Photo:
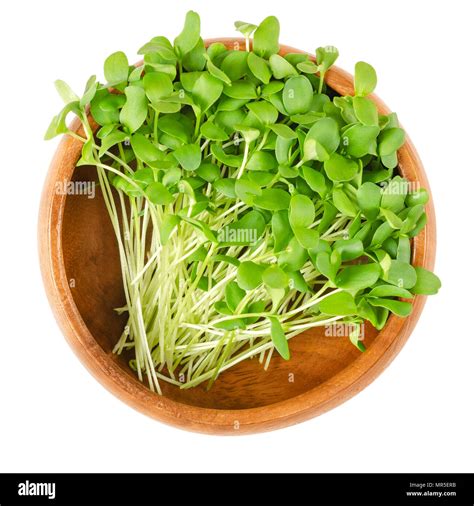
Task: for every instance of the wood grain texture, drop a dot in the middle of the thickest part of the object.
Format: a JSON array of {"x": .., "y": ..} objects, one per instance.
[{"x": 80, "y": 267}]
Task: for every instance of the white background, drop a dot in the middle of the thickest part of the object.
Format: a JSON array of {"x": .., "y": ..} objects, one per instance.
[{"x": 417, "y": 416}]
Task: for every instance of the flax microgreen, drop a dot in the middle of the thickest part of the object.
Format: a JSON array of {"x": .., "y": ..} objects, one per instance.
[{"x": 250, "y": 202}]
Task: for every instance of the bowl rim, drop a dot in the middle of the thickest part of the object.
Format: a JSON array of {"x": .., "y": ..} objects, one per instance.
[{"x": 336, "y": 390}]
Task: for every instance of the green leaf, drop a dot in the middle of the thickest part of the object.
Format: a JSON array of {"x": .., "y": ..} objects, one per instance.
[
  {"x": 174, "y": 127},
  {"x": 307, "y": 119},
  {"x": 135, "y": 110},
  {"x": 395, "y": 306},
  {"x": 168, "y": 224},
  {"x": 216, "y": 50},
  {"x": 346, "y": 108},
  {"x": 322, "y": 140},
  {"x": 224, "y": 258},
  {"x": 58, "y": 123},
  {"x": 236, "y": 323},
  {"x": 157, "y": 86},
  {"x": 376, "y": 315},
  {"x": 360, "y": 140},
  {"x": 232, "y": 105},
  {"x": 144, "y": 149},
  {"x": 164, "y": 68},
  {"x": 202, "y": 227},
  {"x": 315, "y": 180},
  {"x": 188, "y": 79},
  {"x": 401, "y": 274},
  {"x": 328, "y": 264},
  {"x": 307, "y": 237},
  {"x": 279, "y": 338},
  {"x": 340, "y": 168},
  {"x": 259, "y": 68},
  {"x": 307, "y": 67},
  {"x": 417, "y": 197},
  {"x": 195, "y": 60},
  {"x": 349, "y": 249},
  {"x": 246, "y": 29},
  {"x": 294, "y": 256},
  {"x": 65, "y": 92},
  {"x": 382, "y": 233},
  {"x": 272, "y": 88},
  {"x": 209, "y": 172},
  {"x": 217, "y": 72},
  {"x": 366, "y": 111},
  {"x": 190, "y": 35},
  {"x": 265, "y": 38},
  {"x": 390, "y": 161},
  {"x": 246, "y": 190},
  {"x": 89, "y": 91},
  {"x": 297, "y": 95},
  {"x": 281, "y": 68},
  {"x": 188, "y": 156},
  {"x": 365, "y": 79},
  {"x": 206, "y": 91},
  {"x": 264, "y": 111},
  {"x": 248, "y": 133},
  {"x": 427, "y": 283},
  {"x": 338, "y": 304},
  {"x": 276, "y": 295},
  {"x": 275, "y": 277},
  {"x": 297, "y": 282},
  {"x": 354, "y": 335},
  {"x": 403, "y": 249},
  {"x": 161, "y": 48},
  {"x": 144, "y": 176},
  {"x": 325, "y": 57},
  {"x": 394, "y": 193},
  {"x": 241, "y": 90},
  {"x": 283, "y": 131},
  {"x": 221, "y": 156},
  {"x": 249, "y": 275},
  {"x": 222, "y": 308},
  {"x": 235, "y": 65},
  {"x": 116, "y": 68},
  {"x": 87, "y": 153},
  {"x": 110, "y": 140},
  {"x": 301, "y": 212},
  {"x": 368, "y": 198},
  {"x": 211, "y": 131},
  {"x": 390, "y": 140},
  {"x": 329, "y": 214},
  {"x": 419, "y": 226},
  {"x": 273, "y": 199},
  {"x": 283, "y": 149},
  {"x": 233, "y": 295},
  {"x": 158, "y": 194},
  {"x": 394, "y": 221},
  {"x": 281, "y": 231},
  {"x": 358, "y": 277},
  {"x": 389, "y": 291},
  {"x": 164, "y": 106},
  {"x": 343, "y": 203}
]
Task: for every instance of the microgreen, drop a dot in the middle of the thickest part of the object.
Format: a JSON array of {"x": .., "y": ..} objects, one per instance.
[{"x": 249, "y": 201}]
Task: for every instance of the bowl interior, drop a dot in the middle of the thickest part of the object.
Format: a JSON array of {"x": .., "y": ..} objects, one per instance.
[{"x": 92, "y": 267}]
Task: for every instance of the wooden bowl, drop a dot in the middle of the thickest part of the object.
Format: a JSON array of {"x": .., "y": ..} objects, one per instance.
[{"x": 80, "y": 266}]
